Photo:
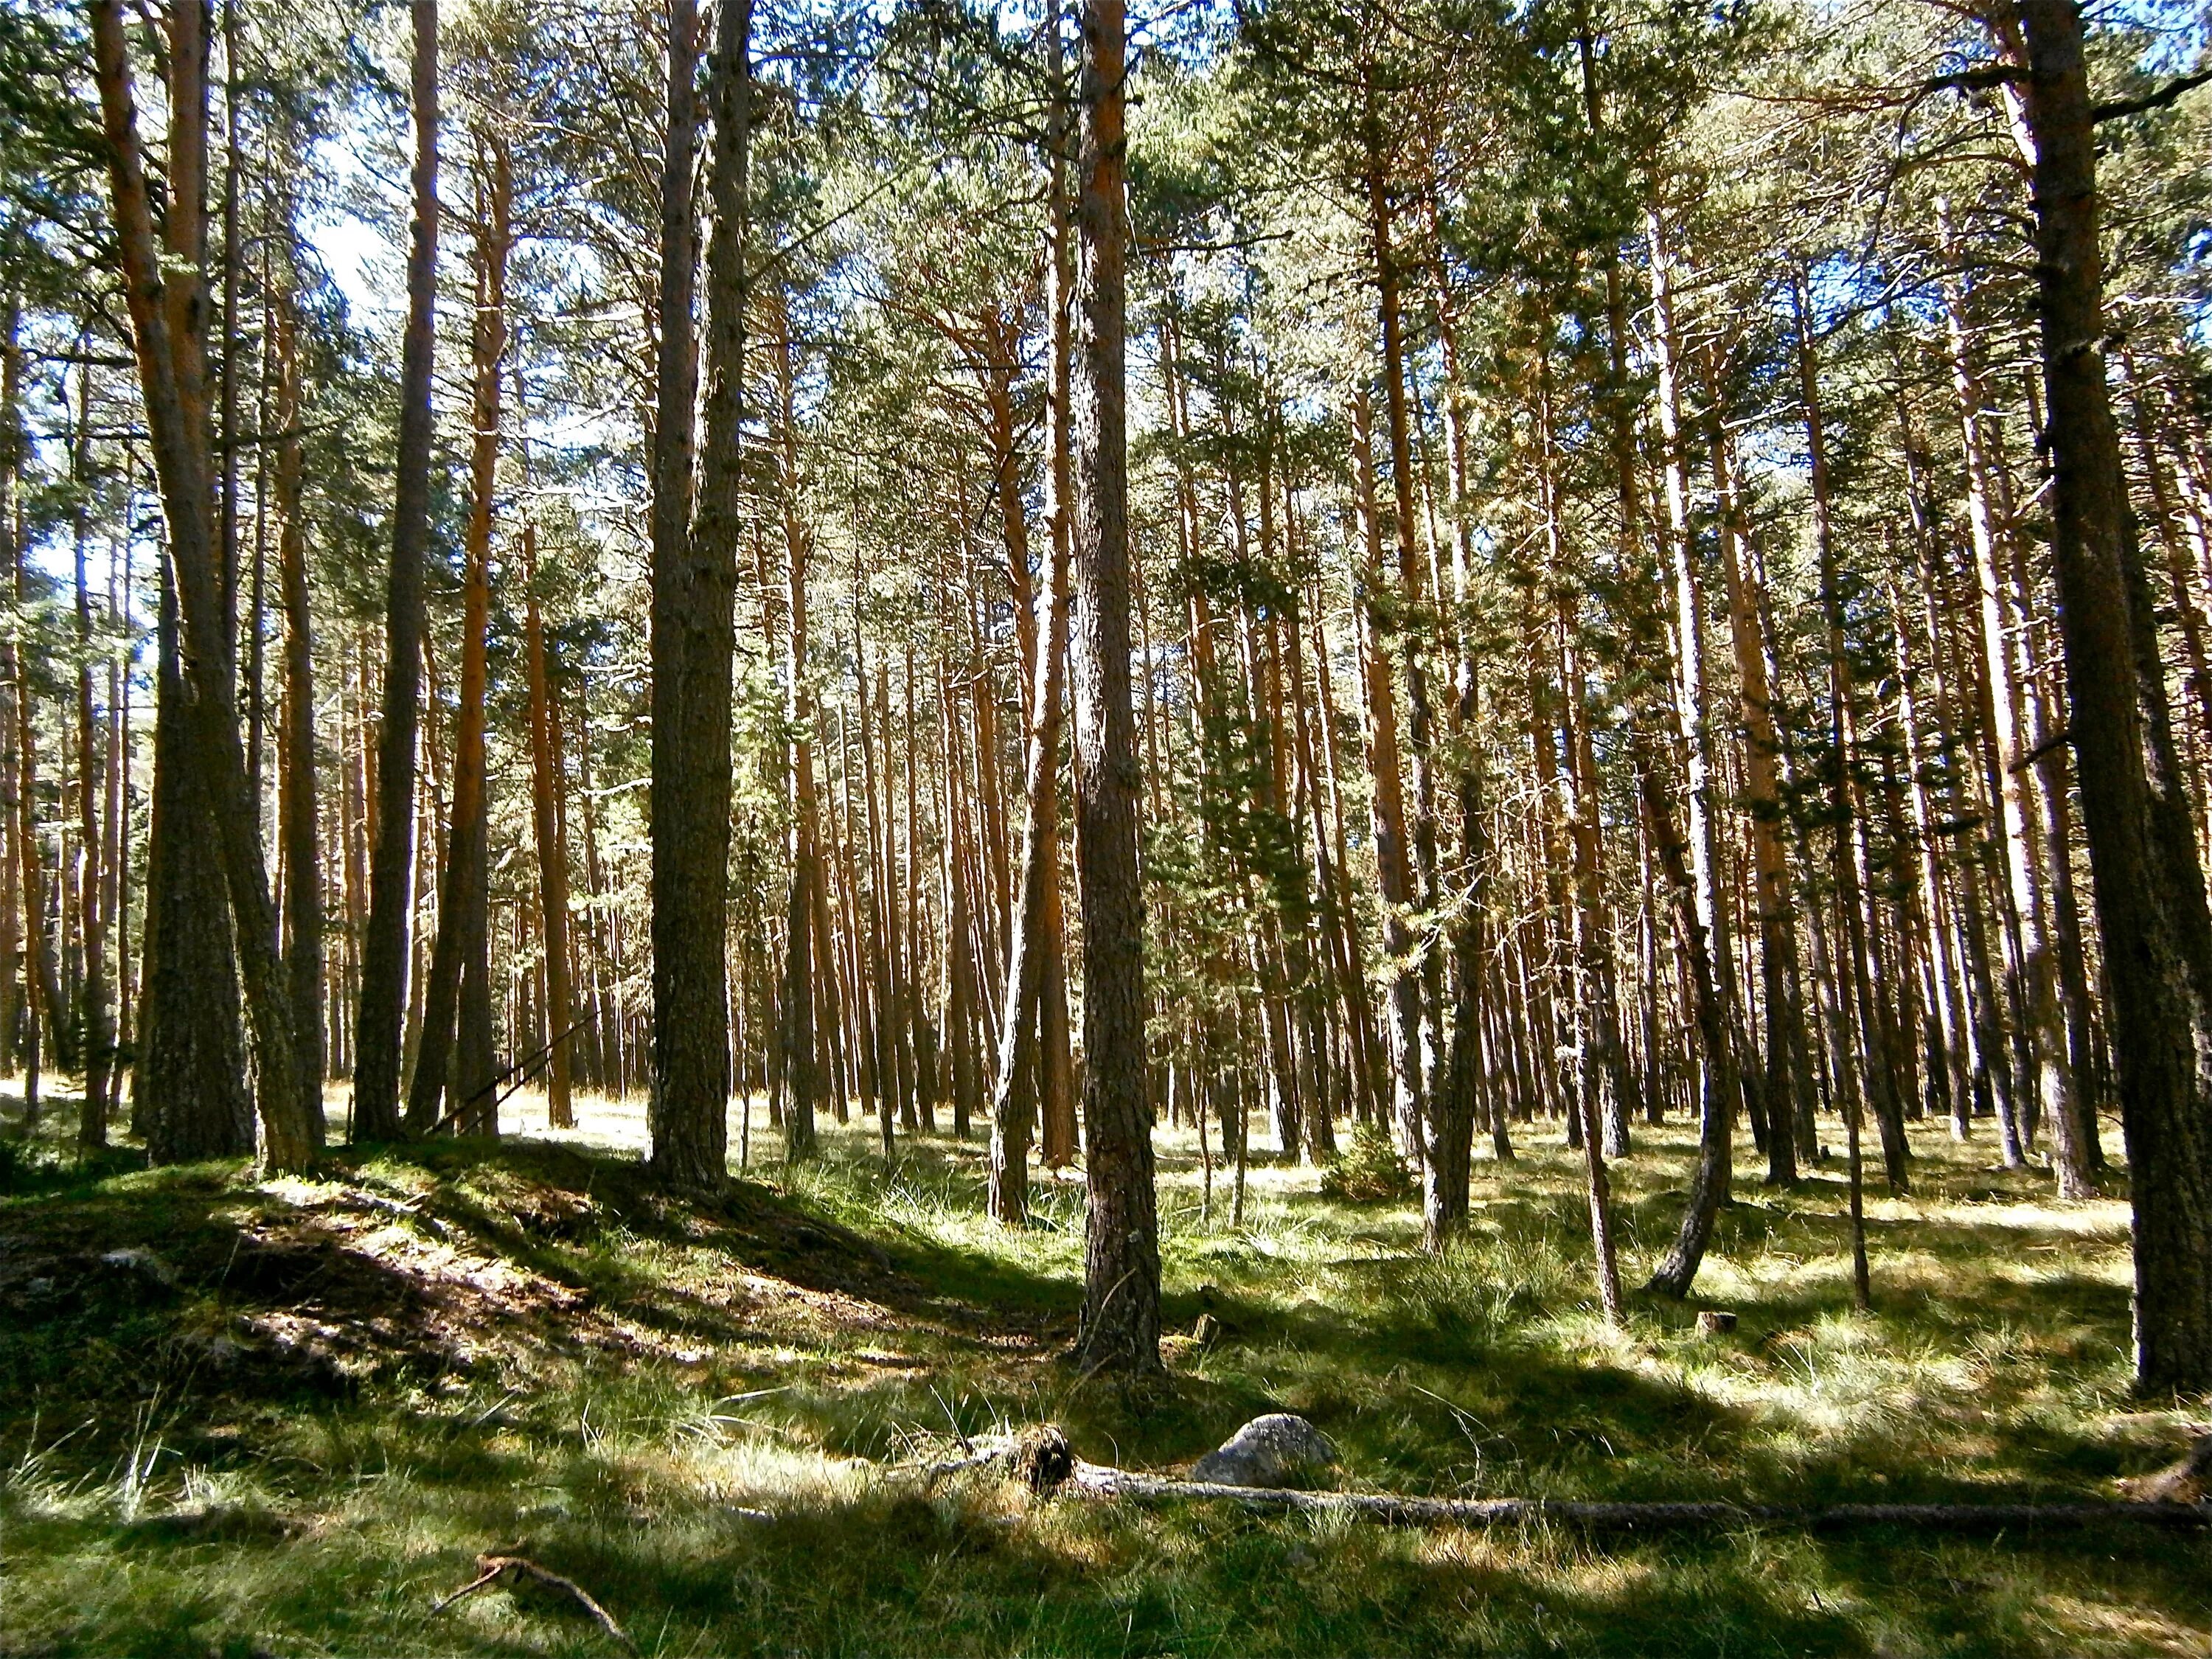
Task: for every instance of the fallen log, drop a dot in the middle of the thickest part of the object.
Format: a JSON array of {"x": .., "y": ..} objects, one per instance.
[{"x": 1101, "y": 1481}]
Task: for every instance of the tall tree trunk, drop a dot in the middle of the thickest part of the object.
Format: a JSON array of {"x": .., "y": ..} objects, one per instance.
[
  {"x": 1788, "y": 1069},
  {"x": 1849, "y": 977},
  {"x": 12, "y": 688},
  {"x": 455, "y": 1060},
  {"x": 173, "y": 376},
  {"x": 2143, "y": 855},
  {"x": 2043, "y": 1071},
  {"x": 97, "y": 1038},
  {"x": 1700, "y": 918},
  {"x": 1013, "y": 1097},
  {"x": 302, "y": 853},
  {"x": 1420, "y": 723},
  {"x": 1121, "y": 1327},
  {"x": 1055, "y": 1060},
  {"x": 799, "y": 1038},
  {"x": 378, "y": 1027},
  {"x": 552, "y": 845},
  {"x": 694, "y": 576},
  {"x": 1387, "y": 802},
  {"x": 1859, "y": 981}
]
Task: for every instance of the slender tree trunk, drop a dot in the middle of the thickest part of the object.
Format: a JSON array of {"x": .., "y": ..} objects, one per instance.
[
  {"x": 1700, "y": 918},
  {"x": 98, "y": 1029},
  {"x": 302, "y": 853},
  {"x": 1789, "y": 1071},
  {"x": 2042, "y": 1072},
  {"x": 12, "y": 688},
  {"x": 799, "y": 1038},
  {"x": 1013, "y": 1097},
  {"x": 378, "y": 1028},
  {"x": 455, "y": 1060},
  {"x": 552, "y": 845},
  {"x": 1857, "y": 982},
  {"x": 1120, "y": 1324}
]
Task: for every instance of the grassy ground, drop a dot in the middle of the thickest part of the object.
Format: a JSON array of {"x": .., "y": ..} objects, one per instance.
[{"x": 294, "y": 1416}]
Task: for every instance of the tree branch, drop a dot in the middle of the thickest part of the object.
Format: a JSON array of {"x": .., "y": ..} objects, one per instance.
[{"x": 2150, "y": 101}]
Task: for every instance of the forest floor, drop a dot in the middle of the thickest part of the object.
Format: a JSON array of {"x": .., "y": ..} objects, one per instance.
[{"x": 284, "y": 1417}]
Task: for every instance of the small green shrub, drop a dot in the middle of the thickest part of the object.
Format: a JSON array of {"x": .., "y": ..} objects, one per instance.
[{"x": 1369, "y": 1172}]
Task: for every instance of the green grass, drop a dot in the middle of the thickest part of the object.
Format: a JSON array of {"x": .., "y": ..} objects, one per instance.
[{"x": 355, "y": 1385}]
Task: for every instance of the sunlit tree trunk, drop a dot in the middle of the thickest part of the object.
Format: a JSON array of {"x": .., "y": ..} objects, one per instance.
[
  {"x": 455, "y": 1060},
  {"x": 2150, "y": 888},
  {"x": 2041, "y": 1067},
  {"x": 164, "y": 304},
  {"x": 1120, "y": 1326}
]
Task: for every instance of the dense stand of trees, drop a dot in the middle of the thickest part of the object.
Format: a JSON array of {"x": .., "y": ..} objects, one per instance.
[{"x": 1470, "y": 573}]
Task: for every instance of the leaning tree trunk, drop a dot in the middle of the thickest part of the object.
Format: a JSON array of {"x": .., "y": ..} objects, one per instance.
[
  {"x": 1693, "y": 874},
  {"x": 2143, "y": 855},
  {"x": 1121, "y": 1328},
  {"x": 1013, "y": 1098},
  {"x": 378, "y": 1025},
  {"x": 172, "y": 376}
]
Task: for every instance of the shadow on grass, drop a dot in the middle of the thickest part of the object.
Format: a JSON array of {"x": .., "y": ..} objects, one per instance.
[{"x": 558, "y": 1357}]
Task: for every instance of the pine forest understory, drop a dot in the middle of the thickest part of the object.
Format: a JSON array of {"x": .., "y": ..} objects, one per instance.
[{"x": 786, "y": 786}]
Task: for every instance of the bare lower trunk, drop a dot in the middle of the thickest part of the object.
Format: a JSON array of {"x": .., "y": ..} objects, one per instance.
[
  {"x": 378, "y": 1027},
  {"x": 2150, "y": 889},
  {"x": 172, "y": 376},
  {"x": 303, "y": 867},
  {"x": 455, "y": 1059},
  {"x": 552, "y": 846},
  {"x": 1121, "y": 1327}
]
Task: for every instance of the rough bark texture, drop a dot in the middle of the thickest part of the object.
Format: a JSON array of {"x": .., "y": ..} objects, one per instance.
[
  {"x": 172, "y": 376},
  {"x": 454, "y": 1059},
  {"x": 2149, "y": 888},
  {"x": 1120, "y": 1329},
  {"x": 695, "y": 573},
  {"x": 384, "y": 957},
  {"x": 190, "y": 1092},
  {"x": 1013, "y": 1099}
]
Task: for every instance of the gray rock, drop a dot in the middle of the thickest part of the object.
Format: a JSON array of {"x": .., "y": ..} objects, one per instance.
[
  {"x": 1279, "y": 1449},
  {"x": 140, "y": 1263}
]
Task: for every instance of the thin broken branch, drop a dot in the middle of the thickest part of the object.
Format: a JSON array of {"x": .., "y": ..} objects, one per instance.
[{"x": 492, "y": 1568}]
